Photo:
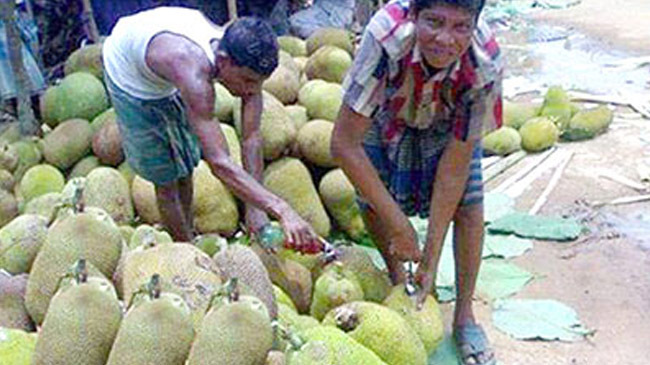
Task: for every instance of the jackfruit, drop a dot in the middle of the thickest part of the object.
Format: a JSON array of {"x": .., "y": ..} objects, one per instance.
[
  {"x": 75, "y": 235},
  {"x": 12, "y": 304},
  {"x": 294, "y": 321},
  {"x": 241, "y": 262},
  {"x": 20, "y": 241},
  {"x": 336, "y": 286},
  {"x": 284, "y": 84},
  {"x": 538, "y": 134},
  {"x": 234, "y": 147},
  {"x": 340, "y": 198},
  {"x": 298, "y": 115},
  {"x": 8, "y": 158},
  {"x": 156, "y": 330},
  {"x": 16, "y": 346},
  {"x": 557, "y": 107},
  {"x": 98, "y": 122},
  {"x": 183, "y": 269},
  {"x": 322, "y": 99},
  {"x": 426, "y": 322},
  {"x": 235, "y": 332},
  {"x": 328, "y": 63},
  {"x": 143, "y": 193},
  {"x": 214, "y": 206},
  {"x": 80, "y": 325},
  {"x": 381, "y": 330},
  {"x": 145, "y": 234},
  {"x": 8, "y": 207},
  {"x": 126, "y": 232},
  {"x": 210, "y": 243},
  {"x": 282, "y": 298},
  {"x": 515, "y": 114},
  {"x": 285, "y": 59},
  {"x": 294, "y": 46},
  {"x": 330, "y": 36},
  {"x": 301, "y": 62},
  {"x": 275, "y": 358},
  {"x": 84, "y": 166},
  {"x": 86, "y": 59},
  {"x": 7, "y": 180},
  {"x": 276, "y": 127},
  {"x": 588, "y": 123},
  {"x": 29, "y": 155},
  {"x": 39, "y": 180},
  {"x": 503, "y": 141},
  {"x": 126, "y": 171},
  {"x": 44, "y": 205},
  {"x": 330, "y": 346},
  {"x": 78, "y": 95},
  {"x": 106, "y": 188},
  {"x": 289, "y": 179},
  {"x": 223, "y": 103},
  {"x": 314, "y": 142},
  {"x": 10, "y": 133},
  {"x": 107, "y": 144}
]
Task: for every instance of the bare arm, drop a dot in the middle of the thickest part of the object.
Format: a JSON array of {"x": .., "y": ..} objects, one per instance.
[{"x": 348, "y": 152}]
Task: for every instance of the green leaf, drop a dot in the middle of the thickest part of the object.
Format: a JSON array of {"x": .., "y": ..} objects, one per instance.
[
  {"x": 497, "y": 205},
  {"x": 538, "y": 227},
  {"x": 502, "y": 246},
  {"x": 544, "y": 319},
  {"x": 499, "y": 279}
]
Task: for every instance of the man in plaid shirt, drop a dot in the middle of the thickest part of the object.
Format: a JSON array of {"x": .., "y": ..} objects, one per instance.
[{"x": 424, "y": 88}]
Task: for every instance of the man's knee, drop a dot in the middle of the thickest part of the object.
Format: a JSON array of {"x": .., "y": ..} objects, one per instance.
[
  {"x": 167, "y": 191},
  {"x": 469, "y": 214}
]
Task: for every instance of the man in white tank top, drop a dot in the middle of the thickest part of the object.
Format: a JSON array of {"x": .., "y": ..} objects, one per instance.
[{"x": 160, "y": 68}]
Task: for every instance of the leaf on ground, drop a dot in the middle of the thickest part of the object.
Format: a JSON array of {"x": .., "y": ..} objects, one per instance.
[
  {"x": 538, "y": 227},
  {"x": 446, "y": 353},
  {"x": 544, "y": 319},
  {"x": 499, "y": 279},
  {"x": 446, "y": 294},
  {"x": 497, "y": 205},
  {"x": 502, "y": 246}
]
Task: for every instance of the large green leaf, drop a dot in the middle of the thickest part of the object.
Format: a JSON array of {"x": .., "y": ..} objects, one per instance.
[
  {"x": 545, "y": 319},
  {"x": 499, "y": 279},
  {"x": 446, "y": 353},
  {"x": 538, "y": 227},
  {"x": 502, "y": 246},
  {"x": 497, "y": 205}
]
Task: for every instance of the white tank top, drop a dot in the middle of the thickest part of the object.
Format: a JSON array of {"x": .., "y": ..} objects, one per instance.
[{"x": 125, "y": 49}]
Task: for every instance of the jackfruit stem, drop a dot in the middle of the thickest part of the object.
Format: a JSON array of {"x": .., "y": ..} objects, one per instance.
[
  {"x": 153, "y": 287},
  {"x": 81, "y": 272},
  {"x": 346, "y": 319},
  {"x": 295, "y": 341},
  {"x": 232, "y": 289}
]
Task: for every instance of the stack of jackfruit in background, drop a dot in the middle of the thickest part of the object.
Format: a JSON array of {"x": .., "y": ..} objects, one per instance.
[
  {"x": 87, "y": 276},
  {"x": 536, "y": 127}
]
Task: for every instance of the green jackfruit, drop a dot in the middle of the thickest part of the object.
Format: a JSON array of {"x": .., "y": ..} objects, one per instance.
[
  {"x": 126, "y": 171},
  {"x": 276, "y": 358},
  {"x": 292, "y": 320},
  {"x": 588, "y": 123},
  {"x": 80, "y": 325},
  {"x": 301, "y": 62},
  {"x": 285, "y": 59},
  {"x": 330, "y": 346},
  {"x": 20, "y": 241},
  {"x": 426, "y": 322},
  {"x": 157, "y": 330},
  {"x": 9, "y": 158},
  {"x": 44, "y": 205},
  {"x": 282, "y": 298},
  {"x": 502, "y": 141},
  {"x": 183, "y": 269},
  {"x": 298, "y": 115},
  {"x": 557, "y": 106},
  {"x": 223, "y": 104},
  {"x": 79, "y": 95},
  {"x": 234, "y": 147},
  {"x": 84, "y": 167},
  {"x": 538, "y": 134},
  {"x": 336, "y": 286},
  {"x": 284, "y": 84},
  {"x": 381, "y": 330},
  {"x": 233, "y": 333},
  {"x": 340, "y": 198},
  {"x": 146, "y": 234},
  {"x": 86, "y": 59},
  {"x": 516, "y": 114},
  {"x": 330, "y": 36},
  {"x": 10, "y": 132},
  {"x": 16, "y": 346},
  {"x": 106, "y": 188},
  {"x": 314, "y": 142},
  {"x": 8, "y": 207},
  {"x": 29, "y": 155},
  {"x": 126, "y": 232},
  {"x": 328, "y": 63},
  {"x": 276, "y": 127},
  {"x": 39, "y": 180},
  {"x": 143, "y": 193},
  {"x": 294, "y": 46},
  {"x": 241, "y": 262},
  {"x": 289, "y": 179},
  {"x": 103, "y": 118},
  {"x": 73, "y": 236},
  {"x": 13, "y": 313},
  {"x": 210, "y": 243},
  {"x": 107, "y": 144},
  {"x": 214, "y": 206},
  {"x": 7, "y": 180},
  {"x": 322, "y": 99}
]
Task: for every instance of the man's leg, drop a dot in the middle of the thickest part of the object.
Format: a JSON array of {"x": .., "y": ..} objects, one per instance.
[
  {"x": 375, "y": 228},
  {"x": 186, "y": 193},
  {"x": 171, "y": 212}
]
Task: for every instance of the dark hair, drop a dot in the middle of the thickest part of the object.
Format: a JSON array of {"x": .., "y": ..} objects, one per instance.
[
  {"x": 473, "y": 6},
  {"x": 250, "y": 42}
]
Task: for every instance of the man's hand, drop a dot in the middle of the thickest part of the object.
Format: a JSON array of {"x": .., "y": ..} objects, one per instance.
[
  {"x": 403, "y": 241},
  {"x": 425, "y": 278},
  {"x": 255, "y": 220},
  {"x": 300, "y": 236}
]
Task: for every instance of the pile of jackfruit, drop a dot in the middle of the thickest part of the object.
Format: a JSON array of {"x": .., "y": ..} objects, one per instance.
[
  {"x": 536, "y": 127},
  {"x": 89, "y": 276}
]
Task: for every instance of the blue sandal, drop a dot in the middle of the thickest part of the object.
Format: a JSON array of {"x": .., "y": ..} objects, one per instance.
[{"x": 473, "y": 346}]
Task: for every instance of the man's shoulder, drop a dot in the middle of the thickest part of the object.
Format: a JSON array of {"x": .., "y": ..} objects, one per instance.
[
  {"x": 172, "y": 53},
  {"x": 392, "y": 28}
]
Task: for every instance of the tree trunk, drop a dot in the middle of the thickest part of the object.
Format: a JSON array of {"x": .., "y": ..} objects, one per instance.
[{"x": 28, "y": 123}]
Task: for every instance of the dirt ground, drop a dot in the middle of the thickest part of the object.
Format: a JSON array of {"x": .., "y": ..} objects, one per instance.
[{"x": 605, "y": 276}]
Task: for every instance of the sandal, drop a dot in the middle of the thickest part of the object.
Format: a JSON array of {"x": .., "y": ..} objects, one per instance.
[{"x": 473, "y": 346}]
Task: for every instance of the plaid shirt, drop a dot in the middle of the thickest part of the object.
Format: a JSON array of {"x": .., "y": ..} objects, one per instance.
[{"x": 390, "y": 83}]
